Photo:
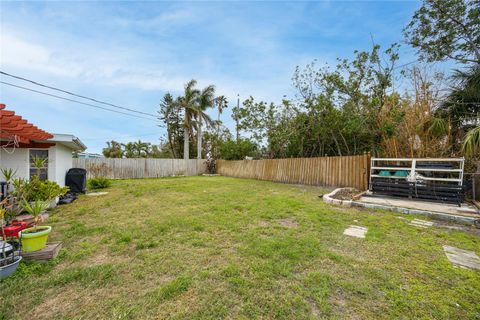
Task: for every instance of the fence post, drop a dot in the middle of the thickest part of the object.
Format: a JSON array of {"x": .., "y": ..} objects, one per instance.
[
  {"x": 145, "y": 171},
  {"x": 476, "y": 186},
  {"x": 365, "y": 171}
]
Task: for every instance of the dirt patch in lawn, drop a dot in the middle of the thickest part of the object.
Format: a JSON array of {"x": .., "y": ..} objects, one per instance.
[
  {"x": 263, "y": 223},
  {"x": 69, "y": 301},
  {"x": 288, "y": 223}
]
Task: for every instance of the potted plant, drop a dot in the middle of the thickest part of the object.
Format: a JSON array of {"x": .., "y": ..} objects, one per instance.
[
  {"x": 35, "y": 238},
  {"x": 8, "y": 261}
]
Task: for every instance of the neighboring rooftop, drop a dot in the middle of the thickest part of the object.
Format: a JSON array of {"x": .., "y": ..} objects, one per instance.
[
  {"x": 69, "y": 141},
  {"x": 87, "y": 155}
]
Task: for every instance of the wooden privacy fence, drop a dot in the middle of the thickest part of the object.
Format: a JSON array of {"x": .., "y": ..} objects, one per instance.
[
  {"x": 141, "y": 167},
  {"x": 348, "y": 171}
]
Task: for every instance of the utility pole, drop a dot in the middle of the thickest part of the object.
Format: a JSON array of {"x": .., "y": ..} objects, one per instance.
[{"x": 236, "y": 117}]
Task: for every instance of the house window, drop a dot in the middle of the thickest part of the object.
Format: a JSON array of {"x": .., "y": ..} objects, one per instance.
[{"x": 39, "y": 158}]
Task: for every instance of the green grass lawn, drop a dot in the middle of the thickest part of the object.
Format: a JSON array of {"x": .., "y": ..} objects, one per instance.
[{"x": 215, "y": 247}]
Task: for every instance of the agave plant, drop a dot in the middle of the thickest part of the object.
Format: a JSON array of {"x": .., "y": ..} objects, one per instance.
[
  {"x": 8, "y": 174},
  {"x": 39, "y": 163},
  {"x": 35, "y": 209}
]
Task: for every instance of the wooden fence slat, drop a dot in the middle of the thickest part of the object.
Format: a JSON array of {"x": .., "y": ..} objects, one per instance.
[
  {"x": 142, "y": 167},
  {"x": 347, "y": 171}
]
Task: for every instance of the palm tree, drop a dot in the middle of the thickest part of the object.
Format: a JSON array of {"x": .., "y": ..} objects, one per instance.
[
  {"x": 205, "y": 100},
  {"x": 113, "y": 150},
  {"x": 221, "y": 103},
  {"x": 129, "y": 150},
  {"x": 471, "y": 144},
  {"x": 141, "y": 148},
  {"x": 461, "y": 106},
  {"x": 188, "y": 102}
]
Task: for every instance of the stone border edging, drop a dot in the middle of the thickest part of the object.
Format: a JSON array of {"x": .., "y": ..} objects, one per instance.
[
  {"x": 431, "y": 214},
  {"x": 328, "y": 198}
]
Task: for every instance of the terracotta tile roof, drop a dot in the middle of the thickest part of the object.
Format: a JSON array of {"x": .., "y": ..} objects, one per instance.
[{"x": 14, "y": 126}]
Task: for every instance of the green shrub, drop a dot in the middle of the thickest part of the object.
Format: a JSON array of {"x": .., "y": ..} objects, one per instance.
[
  {"x": 37, "y": 190},
  {"x": 99, "y": 183},
  {"x": 237, "y": 150},
  {"x": 48, "y": 190}
]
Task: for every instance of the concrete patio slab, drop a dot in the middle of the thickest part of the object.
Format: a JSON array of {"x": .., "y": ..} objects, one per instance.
[
  {"x": 356, "y": 231},
  {"x": 462, "y": 258},
  {"x": 466, "y": 214}
]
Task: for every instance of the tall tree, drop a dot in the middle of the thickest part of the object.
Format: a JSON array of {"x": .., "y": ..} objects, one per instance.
[
  {"x": 462, "y": 105},
  {"x": 171, "y": 116},
  {"x": 340, "y": 107},
  {"x": 221, "y": 103},
  {"x": 129, "y": 150},
  {"x": 141, "y": 148},
  {"x": 471, "y": 145},
  {"x": 446, "y": 29},
  {"x": 113, "y": 150},
  {"x": 206, "y": 100},
  {"x": 188, "y": 103},
  {"x": 236, "y": 117}
]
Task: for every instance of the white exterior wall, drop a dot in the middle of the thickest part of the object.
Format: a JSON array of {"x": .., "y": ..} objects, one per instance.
[
  {"x": 62, "y": 163},
  {"x": 59, "y": 161},
  {"x": 15, "y": 159},
  {"x": 51, "y": 163}
]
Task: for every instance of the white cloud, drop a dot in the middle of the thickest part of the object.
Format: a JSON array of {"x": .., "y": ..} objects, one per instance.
[
  {"x": 85, "y": 63},
  {"x": 17, "y": 53}
]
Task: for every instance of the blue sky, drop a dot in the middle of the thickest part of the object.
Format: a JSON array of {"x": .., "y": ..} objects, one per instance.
[{"x": 131, "y": 53}]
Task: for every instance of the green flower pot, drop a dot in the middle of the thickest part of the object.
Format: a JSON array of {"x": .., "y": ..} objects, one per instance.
[{"x": 34, "y": 241}]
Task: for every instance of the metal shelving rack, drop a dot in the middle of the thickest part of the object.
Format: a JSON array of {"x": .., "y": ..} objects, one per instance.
[{"x": 433, "y": 174}]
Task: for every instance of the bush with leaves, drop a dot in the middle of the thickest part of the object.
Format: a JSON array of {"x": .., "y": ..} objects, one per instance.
[
  {"x": 46, "y": 191},
  {"x": 35, "y": 189},
  {"x": 99, "y": 183},
  {"x": 237, "y": 150}
]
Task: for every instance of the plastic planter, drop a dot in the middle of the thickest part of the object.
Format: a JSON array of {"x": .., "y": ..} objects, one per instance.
[
  {"x": 34, "y": 241},
  {"x": 14, "y": 229},
  {"x": 7, "y": 270}
]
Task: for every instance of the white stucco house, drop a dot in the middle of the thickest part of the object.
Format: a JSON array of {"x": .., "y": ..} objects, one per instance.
[
  {"x": 20, "y": 141},
  {"x": 59, "y": 156}
]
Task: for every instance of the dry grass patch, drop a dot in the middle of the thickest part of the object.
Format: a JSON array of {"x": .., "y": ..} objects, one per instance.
[{"x": 288, "y": 223}]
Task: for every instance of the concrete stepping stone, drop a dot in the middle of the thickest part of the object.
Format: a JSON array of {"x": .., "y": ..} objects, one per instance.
[
  {"x": 462, "y": 258},
  {"x": 421, "y": 223},
  {"x": 356, "y": 231},
  {"x": 96, "y": 194}
]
